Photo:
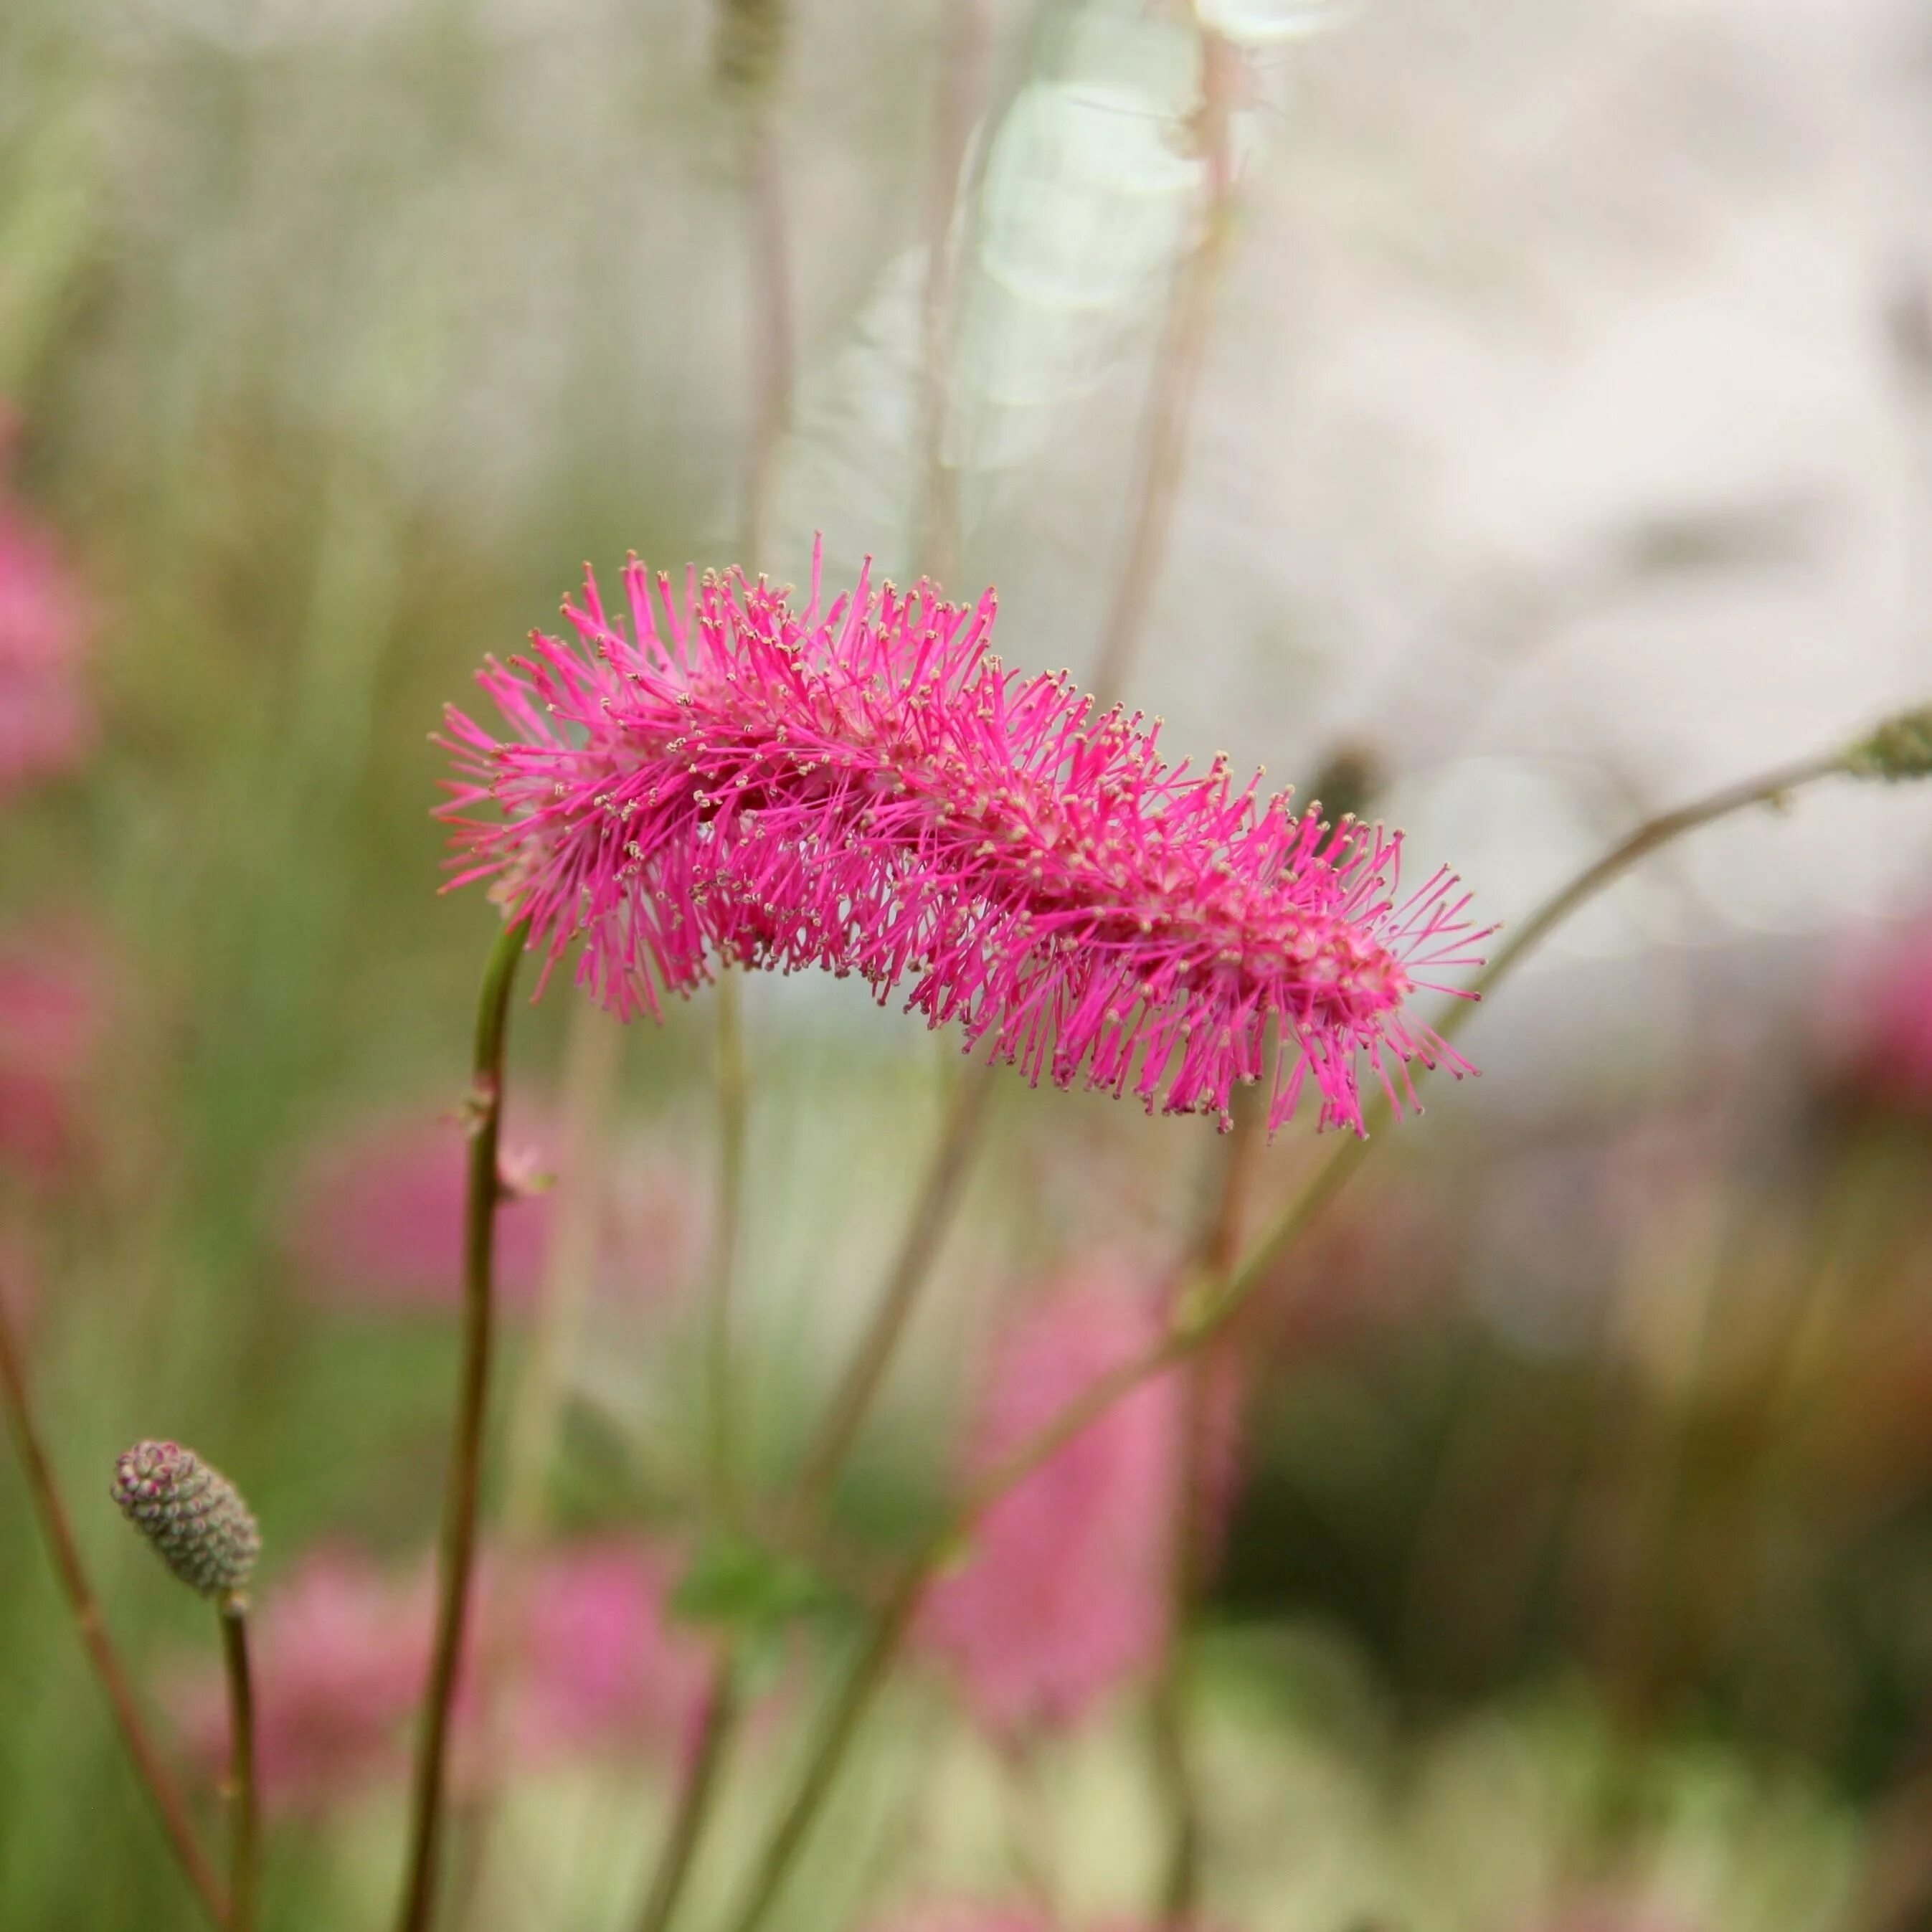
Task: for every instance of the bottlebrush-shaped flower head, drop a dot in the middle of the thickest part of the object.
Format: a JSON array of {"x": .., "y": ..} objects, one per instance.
[
  {"x": 192, "y": 1514},
  {"x": 865, "y": 787}
]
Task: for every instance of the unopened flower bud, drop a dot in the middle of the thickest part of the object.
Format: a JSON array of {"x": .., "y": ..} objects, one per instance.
[
  {"x": 1901, "y": 748},
  {"x": 193, "y": 1515}
]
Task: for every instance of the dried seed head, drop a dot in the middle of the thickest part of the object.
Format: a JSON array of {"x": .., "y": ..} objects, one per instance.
[{"x": 193, "y": 1515}]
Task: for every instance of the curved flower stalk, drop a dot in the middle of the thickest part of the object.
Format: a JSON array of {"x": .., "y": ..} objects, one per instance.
[{"x": 865, "y": 787}]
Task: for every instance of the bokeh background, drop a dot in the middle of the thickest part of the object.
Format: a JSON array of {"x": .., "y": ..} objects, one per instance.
[{"x": 1562, "y": 447}]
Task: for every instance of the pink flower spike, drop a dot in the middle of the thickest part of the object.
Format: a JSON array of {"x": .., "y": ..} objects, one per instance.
[{"x": 863, "y": 788}]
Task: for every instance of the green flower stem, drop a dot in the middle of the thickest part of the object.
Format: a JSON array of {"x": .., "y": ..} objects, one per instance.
[
  {"x": 1176, "y": 374},
  {"x": 720, "y": 1347},
  {"x": 722, "y": 1708},
  {"x": 932, "y": 1215},
  {"x": 241, "y": 1791},
  {"x": 417, "y": 1910},
  {"x": 57, "y": 1527},
  {"x": 1203, "y": 1310}
]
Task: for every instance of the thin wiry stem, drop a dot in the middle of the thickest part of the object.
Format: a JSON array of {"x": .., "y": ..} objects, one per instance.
[
  {"x": 457, "y": 1558},
  {"x": 773, "y": 324},
  {"x": 593, "y": 1053},
  {"x": 1164, "y": 451},
  {"x": 720, "y": 1349},
  {"x": 57, "y": 1527},
  {"x": 722, "y": 1705},
  {"x": 241, "y": 1793},
  {"x": 931, "y": 1215},
  {"x": 1202, "y": 1312},
  {"x": 1215, "y": 1251},
  {"x": 962, "y": 72}
]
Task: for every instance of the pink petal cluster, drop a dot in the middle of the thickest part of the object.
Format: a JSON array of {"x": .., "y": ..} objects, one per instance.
[
  {"x": 591, "y": 1662},
  {"x": 46, "y": 717},
  {"x": 863, "y": 788},
  {"x": 53, "y": 1007},
  {"x": 1067, "y": 1590}
]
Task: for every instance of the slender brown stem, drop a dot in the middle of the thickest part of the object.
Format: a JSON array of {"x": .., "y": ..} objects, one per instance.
[
  {"x": 931, "y": 1215},
  {"x": 962, "y": 84},
  {"x": 722, "y": 1710},
  {"x": 720, "y": 1348},
  {"x": 592, "y": 1055},
  {"x": 773, "y": 324},
  {"x": 418, "y": 1908},
  {"x": 1202, "y": 1312},
  {"x": 1215, "y": 1251},
  {"x": 241, "y": 1793},
  {"x": 1177, "y": 374},
  {"x": 57, "y": 1528}
]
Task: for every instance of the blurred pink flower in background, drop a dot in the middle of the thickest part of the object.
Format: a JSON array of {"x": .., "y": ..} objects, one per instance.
[
  {"x": 590, "y": 1662},
  {"x": 965, "y": 1915},
  {"x": 600, "y": 1664},
  {"x": 19, "y": 1287},
  {"x": 375, "y": 1216},
  {"x": 1067, "y": 1590},
  {"x": 1613, "y": 1912},
  {"x": 1877, "y": 1024},
  {"x": 46, "y": 624},
  {"x": 53, "y": 1007},
  {"x": 957, "y": 1915},
  {"x": 341, "y": 1648}
]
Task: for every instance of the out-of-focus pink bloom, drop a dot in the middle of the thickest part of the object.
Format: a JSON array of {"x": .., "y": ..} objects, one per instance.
[
  {"x": 865, "y": 789},
  {"x": 599, "y": 1664},
  {"x": 1066, "y": 1591},
  {"x": 340, "y": 1652},
  {"x": 378, "y": 1216},
  {"x": 1878, "y": 1017},
  {"x": 966, "y": 1915},
  {"x": 46, "y": 717},
  {"x": 375, "y": 1218},
  {"x": 52, "y": 1007},
  {"x": 961, "y": 1916},
  {"x": 589, "y": 1661},
  {"x": 1609, "y": 1912}
]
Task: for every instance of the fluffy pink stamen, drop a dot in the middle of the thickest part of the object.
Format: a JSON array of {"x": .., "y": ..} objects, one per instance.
[{"x": 865, "y": 788}]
